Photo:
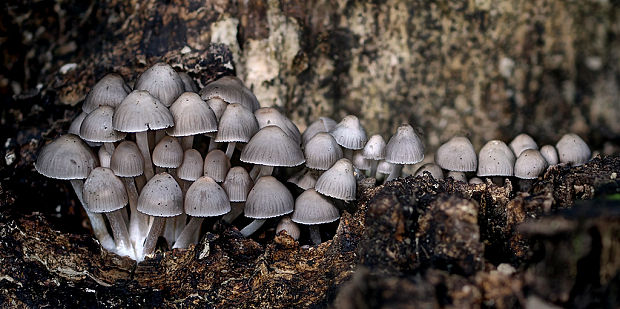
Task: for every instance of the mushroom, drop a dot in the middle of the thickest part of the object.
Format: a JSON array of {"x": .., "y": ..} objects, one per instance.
[
  {"x": 271, "y": 147},
  {"x": 104, "y": 157},
  {"x": 269, "y": 116},
  {"x": 237, "y": 125},
  {"x": 322, "y": 151},
  {"x": 74, "y": 128},
  {"x": 572, "y": 149},
  {"x": 192, "y": 116},
  {"x": 138, "y": 113},
  {"x": 457, "y": 176},
  {"x": 313, "y": 209},
  {"x": 237, "y": 185},
  {"x": 162, "y": 82},
  {"x": 529, "y": 165},
  {"x": 97, "y": 128},
  {"x": 168, "y": 154},
  {"x": 475, "y": 181},
  {"x": 550, "y": 154},
  {"x": 110, "y": 90},
  {"x": 230, "y": 89},
  {"x": 322, "y": 125},
  {"x": 457, "y": 155},
  {"x": 374, "y": 151},
  {"x": 188, "y": 83},
  {"x": 269, "y": 198},
  {"x": 384, "y": 169},
  {"x": 69, "y": 158},
  {"x": 495, "y": 160},
  {"x": 105, "y": 193},
  {"x": 359, "y": 162},
  {"x": 338, "y": 181},
  {"x": 189, "y": 171},
  {"x": 522, "y": 142},
  {"x": 216, "y": 165},
  {"x": 291, "y": 228},
  {"x": 160, "y": 198},
  {"x": 433, "y": 169},
  {"x": 304, "y": 179},
  {"x": 349, "y": 134},
  {"x": 404, "y": 147},
  {"x": 204, "y": 198}
]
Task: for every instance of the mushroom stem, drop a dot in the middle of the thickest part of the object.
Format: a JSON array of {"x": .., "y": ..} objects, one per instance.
[
  {"x": 265, "y": 171},
  {"x": 159, "y": 134},
  {"x": 373, "y": 168},
  {"x": 109, "y": 147},
  {"x": 169, "y": 230},
  {"x": 252, "y": 227},
  {"x": 235, "y": 211},
  {"x": 230, "y": 149},
  {"x": 138, "y": 222},
  {"x": 254, "y": 172},
  {"x": 315, "y": 234},
  {"x": 143, "y": 144},
  {"x": 212, "y": 144},
  {"x": 348, "y": 153},
  {"x": 187, "y": 142},
  {"x": 395, "y": 172},
  {"x": 96, "y": 220},
  {"x": 186, "y": 237},
  {"x": 151, "y": 239},
  {"x": 121, "y": 236},
  {"x": 140, "y": 182}
]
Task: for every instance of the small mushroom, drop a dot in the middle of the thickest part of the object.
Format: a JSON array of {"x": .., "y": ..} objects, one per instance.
[
  {"x": 457, "y": 155},
  {"x": 291, "y": 228},
  {"x": 304, "y": 179},
  {"x": 550, "y": 154},
  {"x": 374, "y": 151},
  {"x": 322, "y": 151},
  {"x": 74, "y": 128},
  {"x": 338, "y": 181},
  {"x": 457, "y": 176},
  {"x": 496, "y": 160},
  {"x": 522, "y": 142},
  {"x": 322, "y": 125},
  {"x": 230, "y": 89},
  {"x": 188, "y": 83},
  {"x": 237, "y": 185},
  {"x": 269, "y": 116},
  {"x": 475, "y": 181},
  {"x": 108, "y": 91},
  {"x": 433, "y": 169},
  {"x": 189, "y": 171},
  {"x": 192, "y": 116},
  {"x": 313, "y": 209},
  {"x": 97, "y": 128},
  {"x": 272, "y": 147},
  {"x": 216, "y": 165},
  {"x": 404, "y": 147},
  {"x": 384, "y": 169},
  {"x": 359, "y": 162},
  {"x": 269, "y": 198},
  {"x": 573, "y": 150},
  {"x": 162, "y": 82},
  {"x": 237, "y": 125},
  {"x": 529, "y": 165},
  {"x": 349, "y": 134}
]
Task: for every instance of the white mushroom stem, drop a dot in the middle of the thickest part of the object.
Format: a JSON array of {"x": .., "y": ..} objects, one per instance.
[
  {"x": 96, "y": 220},
  {"x": 187, "y": 142},
  {"x": 121, "y": 236},
  {"x": 143, "y": 144},
  {"x": 186, "y": 238},
  {"x": 373, "y": 167},
  {"x": 236, "y": 209},
  {"x": 254, "y": 172},
  {"x": 109, "y": 147},
  {"x": 151, "y": 239},
  {"x": 395, "y": 172},
  {"x": 348, "y": 153},
  {"x": 315, "y": 234},
  {"x": 264, "y": 171},
  {"x": 230, "y": 149},
  {"x": 169, "y": 230},
  {"x": 139, "y": 222},
  {"x": 252, "y": 227},
  {"x": 212, "y": 144}
]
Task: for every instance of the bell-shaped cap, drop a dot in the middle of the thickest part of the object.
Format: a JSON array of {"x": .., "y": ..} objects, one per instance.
[
  {"x": 218, "y": 106},
  {"x": 572, "y": 149},
  {"x": 338, "y": 181},
  {"x": 237, "y": 124},
  {"x": 162, "y": 82},
  {"x": 67, "y": 157},
  {"x": 475, "y": 181},
  {"x": 205, "y": 198},
  {"x": 216, "y": 165},
  {"x": 269, "y": 116},
  {"x": 161, "y": 197},
  {"x": 550, "y": 154},
  {"x": 522, "y": 142},
  {"x": 75, "y": 126},
  {"x": 495, "y": 159},
  {"x": 457, "y": 176},
  {"x": 530, "y": 164},
  {"x": 291, "y": 228},
  {"x": 404, "y": 147},
  {"x": 103, "y": 191},
  {"x": 97, "y": 126},
  {"x": 314, "y": 208},
  {"x": 360, "y": 162},
  {"x": 168, "y": 153},
  {"x": 322, "y": 151},
  {"x": 385, "y": 167},
  {"x": 192, "y": 166},
  {"x": 108, "y": 91},
  {"x": 127, "y": 160},
  {"x": 140, "y": 112},
  {"x": 188, "y": 83},
  {"x": 457, "y": 155},
  {"x": 272, "y": 147},
  {"x": 231, "y": 90},
  {"x": 237, "y": 184},
  {"x": 431, "y": 168},
  {"x": 192, "y": 116},
  {"x": 375, "y": 148},
  {"x": 304, "y": 180},
  {"x": 268, "y": 198},
  {"x": 349, "y": 133},
  {"x": 323, "y": 125}
]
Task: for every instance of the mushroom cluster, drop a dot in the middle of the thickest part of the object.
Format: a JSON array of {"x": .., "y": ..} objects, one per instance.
[{"x": 147, "y": 180}]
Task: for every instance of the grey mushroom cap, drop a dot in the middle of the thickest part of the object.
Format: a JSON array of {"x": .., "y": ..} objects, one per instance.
[
  {"x": 74, "y": 128},
  {"x": 349, "y": 133},
  {"x": 108, "y": 91},
  {"x": 530, "y": 164},
  {"x": 572, "y": 149},
  {"x": 103, "y": 191},
  {"x": 313, "y": 208},
  {"x": 268, "y": 198},
  {"x": 457, "y": 176},
  {"x": 97, "y": 126},
  {"x": 457, "y": 155},
  {"x": 338, "y": 181},
  {"x": 323, "y": 124},
  {"x": 385, "y": 167},
  {"x": 231, "y": 90},
  {"x": 192, "y": 116},
  {"x": 161, "y": 81},
  {"x": 188, "y": 83},
  {"x": 216, "y": 165},
  {"x": 127, "y": 160},
  {"x": 522, "y": 142},
  {"x": 475, "y": 181},
  {"x": 322, "y": 151},
  {"x": 168, "y": 153},
  {"x": 375, "y": 148},
  {"x": 291, "y": 228},
  {"x": 267, "y": 116},
  {"x": 432, "y": 168},
  {"x": 495, "y": 159},
  {"x": 404, "y": 147},
  {"x": 550, "y": 154},
  {"x": 205, "y": 198},
  {"x": 140, "y": 112},
  {"x": 218, "y": 106},
  {"x": 161, "y": 197},
  {"x": 237, "y": 124},
  {"x": 272, "y": 147},
  {"x": 192, "y": 166},
  {"x": 237, "y": 184},
  {"x": 304, "y": 180},
  {"x": 67, "y": 157},
  {"x": 360, "y": 162}
]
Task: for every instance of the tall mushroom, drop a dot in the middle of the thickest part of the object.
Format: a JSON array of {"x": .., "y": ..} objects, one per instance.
[
  {"x": 271, "y": 147},
  {"x": 192, "y": 116},
  {"x": 237, "y": 185},
  {"x": 97, "y": 127},
  {"x": 349, "y": 134},
  {"x": 404, "y": 147},
  {"x": 237, "y": 125},
  {"x": 374, "y": 151},
  {"x": 162, "y": 82},
  {"x": 313, "y": 209},
  {"x": 573, "y": 150},
  {"x": 269, "y": 198}
]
